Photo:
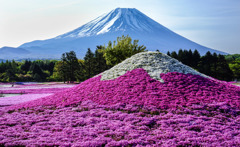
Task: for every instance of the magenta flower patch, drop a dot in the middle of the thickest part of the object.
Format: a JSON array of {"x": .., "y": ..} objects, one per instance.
[
  {"x": 136, "y": 87},
  {"x": 91, "y": 124},
  {"x": 132, "y": 110}
]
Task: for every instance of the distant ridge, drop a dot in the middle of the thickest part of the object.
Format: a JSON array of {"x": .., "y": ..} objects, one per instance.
[
  {"x": 14, "y": 53},
  {"x": 118, "y": 22}
]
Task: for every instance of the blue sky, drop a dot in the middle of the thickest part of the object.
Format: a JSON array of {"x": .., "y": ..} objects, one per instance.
[{"x": 212, "y": 23}]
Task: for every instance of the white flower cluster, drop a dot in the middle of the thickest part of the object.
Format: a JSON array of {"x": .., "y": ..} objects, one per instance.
[{"x": 154, "y": 63}]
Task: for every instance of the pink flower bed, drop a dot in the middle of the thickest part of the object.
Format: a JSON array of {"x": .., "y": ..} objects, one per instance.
[
  {"x": 35, "y": 88},
  {"x": 34, "y": 91},
  {"x": 138, "y": 88},
  {"x": 5, "y": 101},
  {"x": 91, "y": 124},
  {"x": 132, "y": 110}
]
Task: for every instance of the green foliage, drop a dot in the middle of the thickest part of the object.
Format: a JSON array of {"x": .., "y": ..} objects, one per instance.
[
  {"x": 234, "y": 64},
  {"x": 40, "y": 70},
  {"x": 93, "y": 64},
  {"x": 81, "y": 74},
  {"x": 231, "y": 58},
  {"x": 223, "y": 71},
  {"x": 26, "y": 66},
  {"x": 8, "y": 76},
  {"x": 187, "y": 57},
  {"x": 99, "y": 61},
  {"x": 89, "y": 63},
  {"x": 174, "y": 55},
  {"x": 168, "y": 53},
  {"x": 210, "y": 64},
  {"x": 70, "y": 66},
  {"x": 68, "y": 69},
  {"x": 60, "y": 71},
  {"x": 235, "y": 67},
  {"x": 196, "y": 58},
  {"x": 37, "y": 77},
  {"x": 118, "y": 51}
]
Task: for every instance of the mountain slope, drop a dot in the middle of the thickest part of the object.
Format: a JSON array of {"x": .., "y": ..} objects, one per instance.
[
  {"x": 13, "y": 53},
  {"x": 120, "y": 21}
]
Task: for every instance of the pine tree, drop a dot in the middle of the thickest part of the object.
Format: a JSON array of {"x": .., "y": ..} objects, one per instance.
[
  {"x": 180, "y": 55},
  {"x": 214, "y": 64},
  {"x": 223, "y": 70},
  {"x": 26, "y": 66},
  {"x": 89, "y": 63},
  {"x": 168, "y": 53},
  {"x": 70, "y": 65},
  {"x": 190, "y": 58},
  {"x": 99, "y": 61},
  {"x": 174, "y": 55},
  {"x": 196, "y": 59}
]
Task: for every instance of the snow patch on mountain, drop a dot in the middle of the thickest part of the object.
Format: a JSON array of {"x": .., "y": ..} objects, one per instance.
[
  {"x": 118, "y": 19},
  {"x": 108, "y": 25}
]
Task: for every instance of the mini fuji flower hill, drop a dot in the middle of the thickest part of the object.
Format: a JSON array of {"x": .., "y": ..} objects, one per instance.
[
  {"x": 149, "y": 99},
  {"x": 148, "y": 78}
]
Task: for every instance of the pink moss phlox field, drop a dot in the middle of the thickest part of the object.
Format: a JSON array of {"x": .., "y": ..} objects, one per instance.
[
  {"x": 21, "y": 98},
  {"x": 35, "y": 88},
  {"x": 138, "y": 88},
  {"x": 132, "y": 110},
  {"x": 33, "y": 91},
  {"x": 91, "y": 124}
]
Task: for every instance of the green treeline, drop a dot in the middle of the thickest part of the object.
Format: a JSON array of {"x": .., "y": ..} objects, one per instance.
[
  {"x": 39, "y": 70},
  {"x": 234, "y": 64},
  {"x": 69, "y": 68},
  {"x": 217, "y": 66}
]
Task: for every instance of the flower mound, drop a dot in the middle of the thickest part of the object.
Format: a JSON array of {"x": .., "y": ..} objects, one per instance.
[{"x": 136, "y": 87}]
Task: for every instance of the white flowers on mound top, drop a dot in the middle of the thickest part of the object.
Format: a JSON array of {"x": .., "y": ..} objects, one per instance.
[{"x": 154, "y": 63}]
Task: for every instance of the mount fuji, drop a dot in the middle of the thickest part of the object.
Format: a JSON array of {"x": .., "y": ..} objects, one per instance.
[{"x": 107, "y": 27}]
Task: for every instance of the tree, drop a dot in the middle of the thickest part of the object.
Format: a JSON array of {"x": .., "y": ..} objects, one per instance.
[
  {"x": 205, "y": 64},
  {"x": 26, "y": 66},
  {"x": 70, "y": 65},
  {"x": 121, "y": 49},
  {"x": 189, "y": 58},
  {"x": 196, "y": 59},
  {"x": 50, "y": 66},
  {"x": 210, "y": 64},
  {"x": 214, "y": 63},
  {"x": 59, "y": 72},
  {"x": 81, "y": 74},
  {"x": 174, "y": 55},
  {"x": 37, "y": 77},
  {"x": 36, "y": 70},
  {"x": 89, "y": 63},
  {"x": 180, "y": 55},
  {"x": 168, "y": 53},
  {"x": 100, "y": 64},
  {"x": 235, "y": 67},
  {"x": 223, "y": 70}
]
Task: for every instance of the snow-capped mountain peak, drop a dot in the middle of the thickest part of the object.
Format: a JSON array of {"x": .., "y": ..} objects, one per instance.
[
  {"x": 119, "y": 19},
  {"x": 109, "y": 26}
]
